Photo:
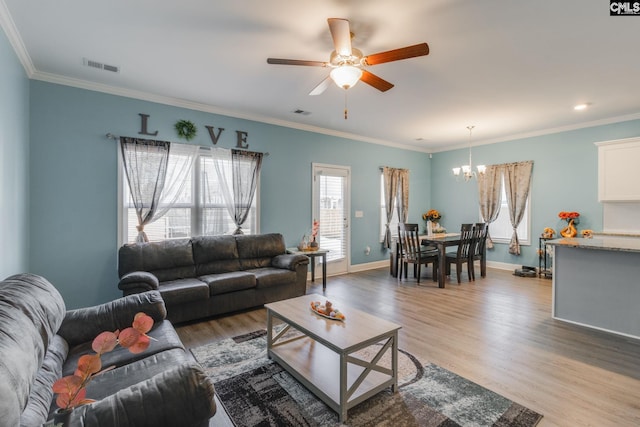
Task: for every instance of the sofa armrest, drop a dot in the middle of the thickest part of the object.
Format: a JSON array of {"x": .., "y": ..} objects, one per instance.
[
  {"x": 84, "y": 324},
  {"x": 182, "y": 396},
  {"x": 138, "y": 281},
  {"x": 289, "y": 261}
]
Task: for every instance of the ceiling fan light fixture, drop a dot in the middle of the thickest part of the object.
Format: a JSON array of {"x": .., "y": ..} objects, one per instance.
[{"x": 346, "y": 76}]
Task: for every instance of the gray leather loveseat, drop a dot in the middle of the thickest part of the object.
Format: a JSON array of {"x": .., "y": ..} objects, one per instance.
[
  {"x": 210, "y": 275},
  {"x": 40, "y": 342}
]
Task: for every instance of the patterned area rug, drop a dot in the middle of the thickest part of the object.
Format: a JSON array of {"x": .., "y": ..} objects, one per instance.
[{"x": 258, "y": 392}]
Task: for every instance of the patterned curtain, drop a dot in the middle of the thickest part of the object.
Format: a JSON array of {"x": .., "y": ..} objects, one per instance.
[
  {"x": 403, "y": 196},
  {"x": 145, "y": 164},
  {"x": 244, "y": 172},
  {"x": 390, "y": 178},
  {"x": 489, "y": 196},
  {"x": 517, "y": 182}
]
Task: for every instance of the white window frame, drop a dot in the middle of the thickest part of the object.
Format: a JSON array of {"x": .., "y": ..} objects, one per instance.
[
  {"x": 524, "y": 226},
  {"x": 195, "y": 206}
]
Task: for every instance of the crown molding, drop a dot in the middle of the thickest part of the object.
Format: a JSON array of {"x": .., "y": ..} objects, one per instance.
[
  {"x": 9, "y": 27},
  {"x": 541, "y": 132},
  {"x": 182, "y": 103}
]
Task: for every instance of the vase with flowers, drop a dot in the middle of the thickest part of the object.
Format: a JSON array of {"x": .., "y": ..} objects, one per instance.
[
  {"x": 573, "y": 219},
  {"x": 71, "y": 390},
  {"x": 313, "y": 244},
  {"x": 431, "y": 217}
]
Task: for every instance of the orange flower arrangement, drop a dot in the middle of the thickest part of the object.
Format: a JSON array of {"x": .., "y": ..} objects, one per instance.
[
  {"x": 431, "y": 215},
  {"x": 71, "y": 390},
  {"x": 568, "y": 216}
]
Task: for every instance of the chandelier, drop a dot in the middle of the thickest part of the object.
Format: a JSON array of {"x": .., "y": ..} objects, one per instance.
[{"x": 467, "y": 170}]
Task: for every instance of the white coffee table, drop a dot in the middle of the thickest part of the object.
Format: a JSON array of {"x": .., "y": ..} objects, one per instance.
[{"x": 322, "y": 358}]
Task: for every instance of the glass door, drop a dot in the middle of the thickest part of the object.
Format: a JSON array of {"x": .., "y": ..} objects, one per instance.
[{"x": 331, "y": 204}]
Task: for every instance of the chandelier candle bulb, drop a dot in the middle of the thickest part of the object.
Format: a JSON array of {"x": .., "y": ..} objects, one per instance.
[{"x": 467, "y": 170}]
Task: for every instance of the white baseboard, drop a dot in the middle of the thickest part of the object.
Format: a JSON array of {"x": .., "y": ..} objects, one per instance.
[
  {"x": 369, "y": 266},
  {"x": 503, "y": 265},
  {"x": 356, "y": 268}
]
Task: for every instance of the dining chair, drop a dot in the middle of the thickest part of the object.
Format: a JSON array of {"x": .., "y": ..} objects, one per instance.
[
  {"x": 463, "y": 254},
  {"x": 480, "y": 231},
  {"x": 411, "y": 252}
]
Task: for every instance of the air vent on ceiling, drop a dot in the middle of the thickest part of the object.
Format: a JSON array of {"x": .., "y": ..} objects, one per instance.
[
  {"x": 303, "y": 112},
  {"x": 100, "y": 66}
]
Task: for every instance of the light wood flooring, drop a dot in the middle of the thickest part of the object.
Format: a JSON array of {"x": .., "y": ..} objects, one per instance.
[{"x": 497, "y": 332}]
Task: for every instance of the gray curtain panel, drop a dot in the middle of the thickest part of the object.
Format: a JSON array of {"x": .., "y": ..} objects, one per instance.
[
  {"x": 246, "y": 167},
  {"x": 145, "y": 165},
  {"x": 238, "y": 172}
]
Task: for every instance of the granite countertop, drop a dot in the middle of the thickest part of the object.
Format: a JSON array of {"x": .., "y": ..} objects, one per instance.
[{"x": 608, "y": 243}]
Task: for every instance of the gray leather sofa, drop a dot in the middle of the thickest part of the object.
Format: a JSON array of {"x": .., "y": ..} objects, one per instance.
[
  {"x": 211, "y": 275},
  {"x": 41, "y": 342}
]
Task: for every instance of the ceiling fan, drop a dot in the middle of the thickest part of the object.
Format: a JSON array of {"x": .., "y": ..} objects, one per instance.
[{"x": 349, "y": 64}]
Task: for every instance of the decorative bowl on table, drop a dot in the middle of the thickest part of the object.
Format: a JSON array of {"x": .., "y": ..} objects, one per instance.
[{"x": 327, "y": 310}]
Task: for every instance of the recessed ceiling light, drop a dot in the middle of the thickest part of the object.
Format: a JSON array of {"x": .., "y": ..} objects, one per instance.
[{"x": 581, "y": 107}]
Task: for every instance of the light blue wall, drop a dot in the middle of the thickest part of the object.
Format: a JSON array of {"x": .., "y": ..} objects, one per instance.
[
  {"x": 565, "y": 178},
  {"x": 73, "y": 181},
  {"x": 14, "y": 162},
  {"x": 73, "y": 200}
]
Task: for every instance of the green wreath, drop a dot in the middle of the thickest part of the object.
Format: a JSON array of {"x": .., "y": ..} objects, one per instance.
[{"x": 186, "y": 129}]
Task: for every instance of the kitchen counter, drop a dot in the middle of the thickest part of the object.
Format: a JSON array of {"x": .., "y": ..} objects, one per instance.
[
  {"x": 609, "y": 243},
  {"x": 596, "y": 283}
]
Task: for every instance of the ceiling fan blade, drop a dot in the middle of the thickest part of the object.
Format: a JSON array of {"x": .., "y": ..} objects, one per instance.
[
  {"x": 322, "y": 86},
  {"x": 375, "y": 81},
  {"x": 341, "y": 35},
  {"x": 397, "y": 54},
  {"x": 279, "y": 61}
]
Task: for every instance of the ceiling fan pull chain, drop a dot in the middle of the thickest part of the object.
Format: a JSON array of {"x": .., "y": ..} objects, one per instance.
[{"x": 345, "y": 104}]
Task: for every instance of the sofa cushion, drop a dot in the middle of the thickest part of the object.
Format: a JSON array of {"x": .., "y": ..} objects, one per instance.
[
  {"x": 229, "y": 282},
  {"x": 167, "y": 260},
  {"x": 215, "y": 254},
  {"x": 164, "y": 338},
  {"x": 31, "y": 310},
  {"x": 41, "y": 396},
  {"x": 260, "y": 246},
  {"x": 267, "y": 277},
  {"x": 183, "y": 290},
  {"x": 181, "y": 395},
  {"x": 112, "y": 381},
  {"x": 84, "y": 324},
  {"x": 214, "y": 248}
]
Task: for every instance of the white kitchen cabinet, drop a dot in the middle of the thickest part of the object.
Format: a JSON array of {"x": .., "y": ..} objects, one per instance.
[{"x": 618, "y": 166}]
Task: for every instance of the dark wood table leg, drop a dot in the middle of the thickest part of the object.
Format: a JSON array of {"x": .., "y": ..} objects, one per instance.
[
  {"x": 312, "y": 258},
  {"x": 442, "y": 272},
  {"x": 324, "y": 272},
  {"x": 483, "y": 262}
]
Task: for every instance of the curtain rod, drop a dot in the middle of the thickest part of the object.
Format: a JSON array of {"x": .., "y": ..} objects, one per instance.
[
  {"x": 115, "y": 138},
  {"x": 403, "y": 169}
]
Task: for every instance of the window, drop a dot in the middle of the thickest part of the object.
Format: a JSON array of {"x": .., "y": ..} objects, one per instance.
[
  {"x": 501, "y": 230},
  {"x": 393, "y": 225},
  {"x": 199, "y": 208}
]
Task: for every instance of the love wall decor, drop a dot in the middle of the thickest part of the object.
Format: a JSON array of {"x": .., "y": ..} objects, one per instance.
[{"x": 214, "y": 133}]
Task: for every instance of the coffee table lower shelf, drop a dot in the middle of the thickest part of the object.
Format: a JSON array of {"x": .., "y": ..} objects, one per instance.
[{"x": 320, "y": 370}]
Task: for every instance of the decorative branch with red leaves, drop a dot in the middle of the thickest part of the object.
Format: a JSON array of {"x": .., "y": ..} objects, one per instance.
[{"x": 71, "y": 390}]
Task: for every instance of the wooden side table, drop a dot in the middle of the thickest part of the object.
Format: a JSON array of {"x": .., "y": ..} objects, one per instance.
[{"x": 322, "y": 253}]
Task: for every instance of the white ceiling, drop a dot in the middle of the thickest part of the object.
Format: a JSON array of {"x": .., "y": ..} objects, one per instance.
[{"x": 511, "y": 68}]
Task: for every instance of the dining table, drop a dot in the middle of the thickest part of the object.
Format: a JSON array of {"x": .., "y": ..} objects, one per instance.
[{"x": 442, "y": 241}]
